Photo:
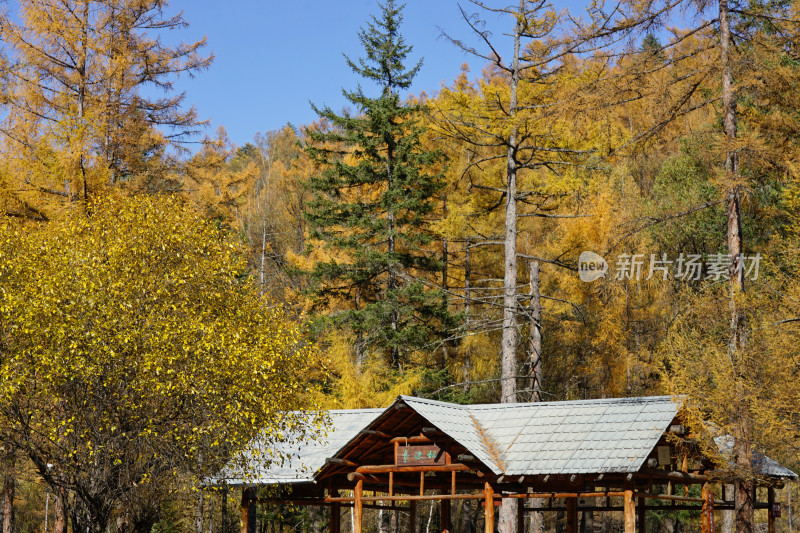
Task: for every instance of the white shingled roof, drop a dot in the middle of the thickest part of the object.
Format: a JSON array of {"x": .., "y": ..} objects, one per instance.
[
  {"x": 614, "y": 435},
  {"x": 574, "y": 437},
  {"x": 761, "y": 463},
  {"x": 302, "y": 459}
]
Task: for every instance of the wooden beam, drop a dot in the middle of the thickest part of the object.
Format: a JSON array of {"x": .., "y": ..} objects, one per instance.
[
  {"x": 416, "y": 439},
  {"x": 488, "y": 512},
  {"x": 565, "y": 494},
  {"x": 358, "y": 511},
  {"x": 412, "y": 516},
  {"x": 414, "y": 497},
  {"x": 705, "y": 517},
  {"x": 355, "y": 476},
  {"x": 385, "y": 469},
  {"x": 572, "y": 515},
  {"x": 770, "y": 515},
  {"x": 642, "y": 512},
  {"x": 669, "y": 497},
  {"x": 373, "y": 433},
  {"x": 340, "y": 462},
  {"x": 630, "y": 512},
  {"x": 335, "y": 518},
  {"x": 245, "y": 503},
  {"x": 675, "y": 476},
  {"x": 520, "y": 517},
  {"x": 446, "y": 517}
]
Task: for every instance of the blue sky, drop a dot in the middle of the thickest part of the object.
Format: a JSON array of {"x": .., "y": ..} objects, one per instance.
[{"x": 273, "y": 57}]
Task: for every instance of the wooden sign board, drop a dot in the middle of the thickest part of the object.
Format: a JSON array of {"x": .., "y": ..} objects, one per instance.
[{"x": 419, "y": 454}]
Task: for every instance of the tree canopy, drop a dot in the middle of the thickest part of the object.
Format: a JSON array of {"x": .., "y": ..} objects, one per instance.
[
  {"x": 133, "y": 346},
  {"x": 374, "y": 197}
]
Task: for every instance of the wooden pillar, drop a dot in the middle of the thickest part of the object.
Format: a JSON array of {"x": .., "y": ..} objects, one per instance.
[
  {"x": 412, "y": 516},
  {"x": 520, "y": 516},
  {"x": 630, "y": 512},
  {"x": 572, "y": 515},
  {"x": 358, "y": 509},
  {"x": 251, "y": 517},
  {"x": 488, "y": 496},
  {"x": 444, "y": 511},
  {"x": 336, "y": 514},
  {"x": 245, "y": 510},
  {"x": 641, "y": 510},
  {"x": 705, "y": 518},
  {"x": 770, "y": 515}
]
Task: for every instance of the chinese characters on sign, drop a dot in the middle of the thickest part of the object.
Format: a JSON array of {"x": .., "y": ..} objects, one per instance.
[
  {"x": 419, "y": 454},
  {"x": 683, "y": 267}
]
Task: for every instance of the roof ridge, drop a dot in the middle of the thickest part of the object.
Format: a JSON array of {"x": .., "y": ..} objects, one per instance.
[
  {"x": 439, "y": 403},
  {"x": 631, "y": 399},
  {"x": 492, "y": 447},
  {"x": 358, "y": 410}
]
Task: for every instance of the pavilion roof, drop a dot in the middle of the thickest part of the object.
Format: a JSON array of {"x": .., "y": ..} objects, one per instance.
[{"x": 615, "y": 435}]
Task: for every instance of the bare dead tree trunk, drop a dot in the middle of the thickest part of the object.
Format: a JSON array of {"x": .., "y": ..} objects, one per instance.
[
  {"x": 445, "y": 281},
  {"x": 198, "y": 513},
  {"x": 509, "y": 338},
  {"x": 535, "y": 374},
  {"x": 384, "y": 521},
  {"x": 742, "y": 453},
  {"x": 727, "y": 516},
  {"x": 536, "y": 517},
  {"x": 507, "y": 520},
  {"x": 535, "y": 335},
  {"x": 467, "y": 307}
]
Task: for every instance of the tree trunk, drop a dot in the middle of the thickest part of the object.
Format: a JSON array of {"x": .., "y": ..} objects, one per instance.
[
  {"x": 536, "y": 517},
  {"x": 60, "y": 511},
  {"x": 392, "y": 285},
  {"x": 384, "y": 521},
  {"x": 211, "y": 513},
  {"x": 728, "y": 492},
  {"x": 509, "y": 337},
  {"x": 82, "y": 96},
  {"x": 535, "y": 359},
  {"x": 198, "y": 513},
  {"x": 507, "y": 521},
  {"x": 466, "y": 522},
  {"x": 9, "y": 482},
  {"x": 535, "y": 339},
  {"x": 742, "y": 431}
]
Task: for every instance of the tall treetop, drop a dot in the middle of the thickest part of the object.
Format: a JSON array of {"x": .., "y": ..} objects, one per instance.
[{"x": 386, "y": 51}]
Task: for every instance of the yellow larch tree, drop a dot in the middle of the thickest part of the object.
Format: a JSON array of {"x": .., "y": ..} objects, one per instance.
[{"x": 78, "y": 115}]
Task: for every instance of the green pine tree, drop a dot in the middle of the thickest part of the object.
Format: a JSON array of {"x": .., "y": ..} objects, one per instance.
[{"x": 373, "y": 200}]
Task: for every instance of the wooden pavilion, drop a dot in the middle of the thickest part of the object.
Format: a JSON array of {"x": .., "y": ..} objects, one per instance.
[{"x": 627, "y": 454}]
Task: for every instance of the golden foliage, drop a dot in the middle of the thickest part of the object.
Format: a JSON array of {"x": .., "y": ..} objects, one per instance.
[{"x": 135, "y": 346}]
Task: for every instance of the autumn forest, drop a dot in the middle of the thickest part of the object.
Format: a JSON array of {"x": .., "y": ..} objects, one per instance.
[{"x": 610, "y": 207}]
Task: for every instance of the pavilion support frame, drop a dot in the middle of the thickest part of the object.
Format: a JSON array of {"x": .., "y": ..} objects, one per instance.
[{"x": 632, "y": 495}]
